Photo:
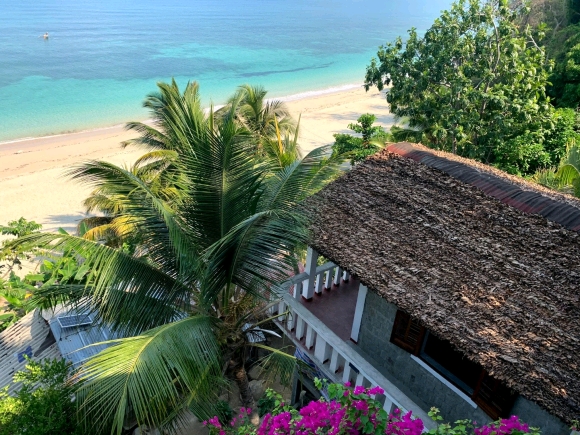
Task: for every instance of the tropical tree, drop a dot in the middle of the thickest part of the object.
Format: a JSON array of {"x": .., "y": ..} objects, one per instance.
[
  {"x": 473, "y": 82},
  {"x": 264, "y": 119},
  {"x": 206, "y": 262}
]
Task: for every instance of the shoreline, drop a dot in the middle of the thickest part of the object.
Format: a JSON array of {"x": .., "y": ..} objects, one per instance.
[
  {"x": 287, "y": 98},
  {"x": 33, "y": 181}
]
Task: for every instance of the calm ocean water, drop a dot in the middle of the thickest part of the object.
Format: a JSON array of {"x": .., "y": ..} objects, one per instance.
[{"x": 104, "y": 56}]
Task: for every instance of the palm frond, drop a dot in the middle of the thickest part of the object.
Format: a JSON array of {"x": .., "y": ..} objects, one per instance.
[
  {"x": 127, "y": 293},
  {"x": 150, "y": 375},
  {"x": 278, "y": 365},
  {"x": 292, "y": 184}
]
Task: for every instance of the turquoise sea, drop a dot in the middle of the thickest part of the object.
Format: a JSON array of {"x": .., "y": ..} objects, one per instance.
[{"x": 102, "y": 57}]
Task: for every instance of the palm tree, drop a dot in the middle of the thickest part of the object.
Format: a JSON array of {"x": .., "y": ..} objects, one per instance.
[
  {"x": 261, "y": 117},
  {"x": 207, "y": 259}
]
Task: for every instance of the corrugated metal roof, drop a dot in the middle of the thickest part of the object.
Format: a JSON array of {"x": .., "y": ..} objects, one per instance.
[
  {"x": 529, "y": 199},
  {"x": 30, "y": 336},
  {"x": 73, "y": 341}
]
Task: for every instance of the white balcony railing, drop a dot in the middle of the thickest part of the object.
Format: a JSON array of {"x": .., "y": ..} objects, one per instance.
[{"x": 338, "y": 360}]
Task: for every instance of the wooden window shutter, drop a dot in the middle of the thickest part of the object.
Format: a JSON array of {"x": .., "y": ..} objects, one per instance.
[
  {"x": 407, "y": 333},
  {"x": 493, "y": 397}
]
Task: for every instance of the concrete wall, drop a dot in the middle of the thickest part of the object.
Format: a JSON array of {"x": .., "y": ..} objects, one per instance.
[
  {"x": 420, "y": 384},
  {"x": 535, "y": 416}
]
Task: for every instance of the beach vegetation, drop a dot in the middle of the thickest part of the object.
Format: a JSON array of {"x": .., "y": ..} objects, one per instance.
[
  {"x": 216, "y": 227},
  {"x": 370, "y": 139},
  {"x": 11, "y": 257},
  {"x": 51, "y": 269}
]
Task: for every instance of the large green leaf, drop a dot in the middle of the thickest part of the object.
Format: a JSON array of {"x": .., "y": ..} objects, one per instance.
[
  {"x": 128, "y": 293},
  {"x": 150, "y": 375},
  {"x": 567, "y": 174}
]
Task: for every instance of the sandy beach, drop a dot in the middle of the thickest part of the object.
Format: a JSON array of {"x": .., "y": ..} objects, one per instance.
[{"x": 32, "y": 181}]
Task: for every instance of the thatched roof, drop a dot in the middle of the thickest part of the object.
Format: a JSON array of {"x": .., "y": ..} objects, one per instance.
[{"x": 500, "y": 284}]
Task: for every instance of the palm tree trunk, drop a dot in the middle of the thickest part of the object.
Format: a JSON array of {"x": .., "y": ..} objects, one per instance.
[{"x": 241, "y": 379}]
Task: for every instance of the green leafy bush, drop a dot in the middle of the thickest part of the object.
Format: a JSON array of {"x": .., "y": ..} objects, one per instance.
[{"x": 44, "y": 405}]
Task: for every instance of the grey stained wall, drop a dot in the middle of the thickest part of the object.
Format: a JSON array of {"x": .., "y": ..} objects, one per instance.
[{"x": 419, "y": 384}]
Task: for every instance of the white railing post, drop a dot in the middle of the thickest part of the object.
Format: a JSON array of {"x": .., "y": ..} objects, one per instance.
[
  {"x": 322, "y": 350},
  {"x": 346, "y": 372},
  {"x": 345, "y": 276},
  {"x": 358, "y": 312},
  {"x": 281, "y": 310},
  {"x": 360, "y": 380},
  {"x": 318, "y": 284},
  {"x": 337, "y": 274},
  {"x": 297, "y": 290},
  {"x": 335, "y": 361},
  {"x": 290, "y": 320},
  {"x": 311, "y": 260},
  {"x": 388, "y": 405},
  {"x": 300, "y": 327},
  {"x": 310, "y": 337},
  {"x": 328, "y": 279}
]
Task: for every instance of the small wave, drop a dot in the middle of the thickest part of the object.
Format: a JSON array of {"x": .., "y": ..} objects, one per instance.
[
  {"x": 291, "y": 97},
  {"x": 318, "y": 92}
]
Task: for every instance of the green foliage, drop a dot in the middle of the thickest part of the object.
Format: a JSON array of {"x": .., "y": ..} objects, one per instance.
[
  {"x": 472, "y": 85},
  {"x": 510, "y": 426},
  {"x": 372, "y": 139},
  {"x": 268, "y": 402},
  {"x": 16, "y": 292},
  {"x": 10, "y": 257},
  {"x": 542, "y": 148},
  {"x": 566, "y": 177},
  {"x": 224, "y": 411},
  {"x": 20, "y": 228},
  {"x": 43, "y": 406},
  {"x": 54, "y": 269},
  {"x": 565, "y": 79}
]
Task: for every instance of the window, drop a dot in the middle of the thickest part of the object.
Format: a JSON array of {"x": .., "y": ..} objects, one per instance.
[
  {"x": 492, "y": 396},
  {"x": 407, "y": 333},
  {"x": 441, "y": 355}
]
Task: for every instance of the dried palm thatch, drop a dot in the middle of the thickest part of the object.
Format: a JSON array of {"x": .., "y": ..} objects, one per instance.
[{"x": 502, "y": 285}]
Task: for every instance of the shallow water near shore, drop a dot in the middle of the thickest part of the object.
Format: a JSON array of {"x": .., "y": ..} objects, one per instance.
[{"x": 102, "y": 58}]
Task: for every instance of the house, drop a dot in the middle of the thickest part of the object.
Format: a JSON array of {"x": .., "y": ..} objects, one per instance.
[
  {"x": 28, "y": 339},
  {"x": 447, "y": 283},
  {"x": 49, "y": 334}
]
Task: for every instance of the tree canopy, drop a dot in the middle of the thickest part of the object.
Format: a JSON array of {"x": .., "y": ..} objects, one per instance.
[{"x": 474, "y": 85}]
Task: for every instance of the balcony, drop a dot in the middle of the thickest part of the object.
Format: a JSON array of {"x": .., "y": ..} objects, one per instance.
[{"x": 320, "y": 310}]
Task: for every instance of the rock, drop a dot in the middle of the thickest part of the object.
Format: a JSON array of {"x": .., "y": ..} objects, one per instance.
[
  {"x": 190, "y": 425},
  {"x": 144, "y": 430},
  {"x": 255, "y": 372},
  {"x": 234, "y": 396},
  {"x": 258, "y": 388}
]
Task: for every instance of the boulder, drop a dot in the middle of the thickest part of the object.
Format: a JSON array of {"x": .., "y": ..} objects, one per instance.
[
  {"x": 255, "y": 372},
  {"x": 258, "y": 389}
]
